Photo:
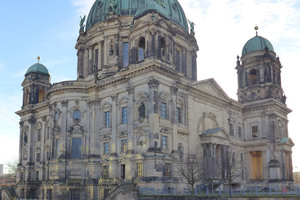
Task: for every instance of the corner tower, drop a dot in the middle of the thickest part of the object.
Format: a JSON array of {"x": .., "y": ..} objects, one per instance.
[{"x": 265, "y": 113}]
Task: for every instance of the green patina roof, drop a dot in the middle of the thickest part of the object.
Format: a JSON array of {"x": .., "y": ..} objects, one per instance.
[
  {"x": 257, "y": 43},
  {"x": 170, "y": 9},
  {"x": 37, "y": 68}
]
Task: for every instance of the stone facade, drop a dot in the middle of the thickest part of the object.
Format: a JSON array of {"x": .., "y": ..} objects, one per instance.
[{"x": 136, "y": 107}]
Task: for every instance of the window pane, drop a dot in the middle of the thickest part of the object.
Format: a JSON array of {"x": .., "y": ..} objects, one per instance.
[
  {"x": 124, "y": 115},
  {"x": 57, "y": 148},
  {"x": 76, "y": 148},
  {"x": 164, "y": 142},
  {"x": 124, "y": 145},
  {"x": 163, "y": 110},
  {"x": 106, "y": 119},
  {"x": 106, "y": 148},
  {"x": 140, "y": 169},
  {"x": 125, "y": 54}
]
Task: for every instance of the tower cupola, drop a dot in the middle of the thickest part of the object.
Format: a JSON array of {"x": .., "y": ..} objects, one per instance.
[
  {"x": 259, "y": 72},
  {"x": 35, "y": 84}
]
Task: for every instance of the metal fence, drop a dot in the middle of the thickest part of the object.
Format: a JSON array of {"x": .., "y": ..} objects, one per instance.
[{"x": 206, "y": 191}]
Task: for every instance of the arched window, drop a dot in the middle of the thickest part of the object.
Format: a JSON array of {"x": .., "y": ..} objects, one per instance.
[
  {"x": 141, "y": 52},
  {"x": 253, "y": 76}
]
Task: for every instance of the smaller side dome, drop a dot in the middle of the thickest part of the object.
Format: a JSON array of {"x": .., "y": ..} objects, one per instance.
[
  {"x": 257, "y": 43},
  {"x": 37, "y": 68}
]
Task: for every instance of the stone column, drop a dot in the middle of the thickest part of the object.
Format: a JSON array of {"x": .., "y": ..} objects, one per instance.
[
  {"x": 114, "y": 114},
  {"x": 90, "y": 61},
  {"x": 173, "y": 117},
  {"x": 106, "y": 49},
  {"x": 63, "y": 138},
  {"x": 30, "y": 152},
  {"x": 94, "y": 148},
  {"x": 99, "y": 56},
  {"x": 153, "y": 109},
  {"x": 44, "y": 131},
  {"x": 80, "y": 57},
  {"x": 21, "y": 140},
  {"x": 130, "y": 114}
]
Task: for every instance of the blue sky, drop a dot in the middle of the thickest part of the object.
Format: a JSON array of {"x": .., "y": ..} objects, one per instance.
[{"x": 49, "y": 29}]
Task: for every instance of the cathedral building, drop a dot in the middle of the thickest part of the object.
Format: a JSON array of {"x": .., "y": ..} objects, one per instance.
[{"x": 136, "y": 109}]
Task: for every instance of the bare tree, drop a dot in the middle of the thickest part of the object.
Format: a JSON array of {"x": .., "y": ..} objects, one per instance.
[
  {"x": 191, "y": 170},
  {"x": 232, "y": 168}
]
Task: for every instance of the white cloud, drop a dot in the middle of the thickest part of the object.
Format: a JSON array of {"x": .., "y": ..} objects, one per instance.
[{"x": 83, "y": 6}]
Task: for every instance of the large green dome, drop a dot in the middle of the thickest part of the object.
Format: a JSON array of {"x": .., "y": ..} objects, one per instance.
[
  {"x": 257, "y": 43},
  {"x": 169, "y": 9},
  {"x": 37, "y": 68}
]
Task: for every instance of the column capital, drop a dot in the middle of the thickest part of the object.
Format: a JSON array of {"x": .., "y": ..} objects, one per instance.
[
  {"x": 130, "y": 89},
  {"x": 32, "y": 121},
  {"x": 64, "y": 103},
  {"x": 174, "y": 90},
  {"x": 114, "y": 97},
  {"x": 153, "y": 83}
]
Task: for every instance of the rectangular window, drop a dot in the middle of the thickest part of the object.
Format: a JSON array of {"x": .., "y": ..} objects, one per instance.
[
  {"x": 106, "y": 119},
  {"x": 96, "y": 58},
  {"x": 140, "y": 169},
  {"x": 125, "y": 54},
  {"x": 106, "y": 148},
  {"x": 163, "y": 110},
  {"x": 49, "y": 194},
  {"x": 39, "y": 135},
  {"x": 254, "y": 131},
  {"x": 231, "y": 129},
  {"x": 155, "y": 145},
  {"x": 105, "y": 172},
  {"x": 124, "y": 115},
  {"x": 240, "y": 132},
  {"x": 164, "y": 142},
  {"x": 22, "y": 176},
  {"x": 123, "y": 171},
  {"x": 257, "y": 170},
  {"x": 123, "y": 145},
  {"x": 57, "y": 152},
  {"x": 74, "y": 194},
  {"x": 38, "y": 157},
  {"x": 167, "y": 169},
  {"x": 76, "y": 148},
  {"x": 242, "y": 157},
  {"x": 178, "y": 115},
  {"x": 37, "y": 176},
  {"x": 243, "y": 175}
]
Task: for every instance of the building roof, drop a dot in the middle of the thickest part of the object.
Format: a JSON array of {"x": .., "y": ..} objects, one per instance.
[
  {"x": 169, "y": 9},
  {"x": 257, "y": 43},
  {"x": 37, "y": 68}
]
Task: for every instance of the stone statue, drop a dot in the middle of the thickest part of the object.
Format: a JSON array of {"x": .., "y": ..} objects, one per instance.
[
  {"x": 192, "y": 27},
  {"x": 142, "y": 111},
  {"x": 112, "y": 6},
  {"x": 82, "y": 20}
]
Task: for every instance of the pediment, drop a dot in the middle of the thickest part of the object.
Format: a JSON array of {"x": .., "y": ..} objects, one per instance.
[
  {"x": 215, "y": 135},
  {"x": 287, "y": 141},
  {"x": 211, "y": 87},
  {"x": 76, "y": 129}
]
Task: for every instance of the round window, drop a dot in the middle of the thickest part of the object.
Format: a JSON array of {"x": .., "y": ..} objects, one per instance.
[{"x": 76, "y": 115}]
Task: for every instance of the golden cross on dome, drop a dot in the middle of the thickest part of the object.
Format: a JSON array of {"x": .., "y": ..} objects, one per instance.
[{"x": 38, "y": 58}]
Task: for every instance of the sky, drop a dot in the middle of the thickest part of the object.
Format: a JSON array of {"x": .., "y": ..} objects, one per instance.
[{"x": 49, "y": 29}]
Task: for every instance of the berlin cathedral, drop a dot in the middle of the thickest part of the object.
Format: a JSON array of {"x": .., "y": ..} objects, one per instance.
[{"x": 137, "y": 110}]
